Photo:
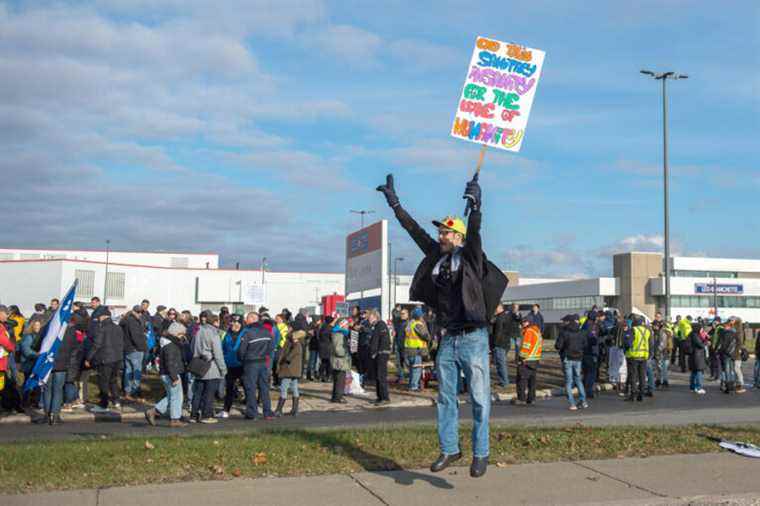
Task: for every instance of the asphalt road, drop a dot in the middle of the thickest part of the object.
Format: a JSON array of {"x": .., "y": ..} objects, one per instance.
[{"x": 677, "y": 406}]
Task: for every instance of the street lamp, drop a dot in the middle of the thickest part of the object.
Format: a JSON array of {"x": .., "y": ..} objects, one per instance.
[
  {"x": 664, "y": 76},
  {"x": 395, "y": 276},
  {"x": 362, "y": 213},
  {"x": 105, "y": 282}
]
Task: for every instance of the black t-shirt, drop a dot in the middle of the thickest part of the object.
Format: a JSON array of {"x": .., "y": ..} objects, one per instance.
[{"x": 449, "y": 294}]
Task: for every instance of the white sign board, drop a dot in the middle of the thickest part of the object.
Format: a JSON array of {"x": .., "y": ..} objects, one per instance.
[
  {"x": 254, "y": 295},
  {"x": 498, "y": 94},
  {"x": 367, "y": 264}
]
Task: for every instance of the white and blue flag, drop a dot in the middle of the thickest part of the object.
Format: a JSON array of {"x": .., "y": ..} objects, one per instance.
[{"x": 53, "y": 332}]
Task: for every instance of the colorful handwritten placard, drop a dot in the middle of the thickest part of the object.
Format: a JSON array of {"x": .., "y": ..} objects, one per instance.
[{"x": 498, "y": 94}]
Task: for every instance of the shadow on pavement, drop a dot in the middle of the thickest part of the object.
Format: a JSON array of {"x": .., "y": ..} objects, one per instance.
[{"x": 370, "y": 462}]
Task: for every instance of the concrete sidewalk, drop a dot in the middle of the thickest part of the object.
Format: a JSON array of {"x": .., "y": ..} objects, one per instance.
[{"x": 720, "y": 478}]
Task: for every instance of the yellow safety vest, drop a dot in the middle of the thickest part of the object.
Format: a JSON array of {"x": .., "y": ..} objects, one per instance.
[
  {"x": 640, "y": 348},
  {"x": 412, "y": 338},
  {"x": 283, "y": 328},
  {"x": 684, "y": 327}
]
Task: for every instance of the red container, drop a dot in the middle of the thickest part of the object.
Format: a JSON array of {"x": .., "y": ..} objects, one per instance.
[{"x": 329, "y": 302}]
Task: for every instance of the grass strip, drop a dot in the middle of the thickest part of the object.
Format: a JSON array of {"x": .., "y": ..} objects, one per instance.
[{"x": 118, "y": 461}]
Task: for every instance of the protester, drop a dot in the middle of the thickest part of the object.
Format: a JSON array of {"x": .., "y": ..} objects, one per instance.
[
  {"x": 756, "y": 374},
  {"x": 207, "y": 348},
  {"x": 663, "y": 348},
  {"x": 699, "y": 343},
  {"x": 716, "y": 369},
  {"x": 571, "y": 343},
  {"x": 230, "y": 346},
  {"x": 65, "y": 367},
  {"x": 591, "y": 352},
  {"x": 729, "y": 349},
  {"x": 325, "y": 340},
  {"x": 290, "y": 367},
  {"x": 135, "y": 347},
  {"x": 30, "y": 350},
  {"x": 530, "y": 347},
  {"x": 340, "y": 359},
  {"x": 380, "y": 351},
  {"x": 536, "y": 318},
  {"x": 503, "y": 321},
  {"x": 255, "y": 350},
  {"x": 399, "y": 332},
  {"x": 684, "y": 331},
  {"x": 7, "y": 349},
  {"x": 741, "y": 356},
  {"x": 415, "y": 347},
  {"x": 312, "y": 370},
  {"x": 14, "y": 314},
  {"x": 616, "y": 364},
  {"x": 637, "y": 349},
  {"x": 105, "y": 355},
  {"x": 172, "y": 368}
]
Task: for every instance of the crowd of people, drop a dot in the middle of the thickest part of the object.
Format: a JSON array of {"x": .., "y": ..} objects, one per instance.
[{"x": 235, "y": 357}]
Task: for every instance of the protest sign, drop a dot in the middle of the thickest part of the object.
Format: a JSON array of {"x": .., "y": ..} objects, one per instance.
[{"x": 498, "y": 93}]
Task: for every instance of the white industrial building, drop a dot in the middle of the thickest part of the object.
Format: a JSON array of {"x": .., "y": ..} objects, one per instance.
[
  {"x": 180, "y": 280},
  {"x": 699, "y": 286}
]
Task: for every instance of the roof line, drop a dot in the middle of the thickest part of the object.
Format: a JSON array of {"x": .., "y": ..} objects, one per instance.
[{"x": 110, "y": 251}]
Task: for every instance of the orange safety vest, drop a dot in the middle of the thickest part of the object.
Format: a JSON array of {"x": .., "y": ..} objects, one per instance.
[{"x": 531, "y": 344}]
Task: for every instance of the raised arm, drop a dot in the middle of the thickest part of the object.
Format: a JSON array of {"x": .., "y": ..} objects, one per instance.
[{"x": 426, "y": 243}]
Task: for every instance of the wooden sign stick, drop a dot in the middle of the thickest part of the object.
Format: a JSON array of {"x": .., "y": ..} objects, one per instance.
[{"x": 477, "y": 174}]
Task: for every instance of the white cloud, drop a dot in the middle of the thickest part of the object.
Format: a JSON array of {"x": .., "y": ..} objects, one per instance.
[{"x": 349, "y": 43}]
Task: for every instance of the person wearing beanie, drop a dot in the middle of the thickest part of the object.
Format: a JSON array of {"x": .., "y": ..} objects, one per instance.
[
  {"x": 457, "y": 281},
  {"x": 289, "y": 367},
  {"x": 340, "y": 359},
  {"x": 106, "y": 356},
  {"x": 172, "y": 369}
]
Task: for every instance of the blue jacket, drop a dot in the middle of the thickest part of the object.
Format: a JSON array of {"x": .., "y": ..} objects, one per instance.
[
  {"x": 28, "y": 354},
  {"x": 230, "y": 346}
]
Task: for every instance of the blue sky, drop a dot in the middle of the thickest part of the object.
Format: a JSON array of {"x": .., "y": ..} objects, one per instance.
[{"x": 251, "y": 128}]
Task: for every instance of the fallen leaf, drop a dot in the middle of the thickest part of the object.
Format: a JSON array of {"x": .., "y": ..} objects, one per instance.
[
  {"x": 149, "y": 445},
  {"x": 216, "y": 443},
  {"x": 501, "y": 464},
  {"x": 259, "y": 459},
  {"x": 236, "y": 473},
  {"x": 217, "y": 469},
  {"x": 149, "y": 461}
]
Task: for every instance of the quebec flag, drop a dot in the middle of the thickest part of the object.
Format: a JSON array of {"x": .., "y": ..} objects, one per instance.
[{"x": 53, "y": 332}]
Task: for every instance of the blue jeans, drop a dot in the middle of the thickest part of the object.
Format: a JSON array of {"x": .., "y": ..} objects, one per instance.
[
  {"x": 190, "y": 379},
  {"x": 415, "y": 373},
  {"x": 70, "y": 393},
  {"x": 756, "y": 378},
  {"x": 500, "y": 360},
  {"x": 650, "y": 375},
  {"x": 52, "y": 392},
  {"x": 662, "y": 369},
  {"x": 728, "y": 370},
  {"x": 573, "y": 378},
  {"x": 467, "y": 353},
  {"x": 400, "y": 365},
  {"x": 132, "y": 372},
  {"x": 256, "y": 376},
  {"x": 695, "y": 381},
  {"x": 172, "y": 403},
  {"x": 313, "y": 364},
  {"x": 289, "y": 384}
]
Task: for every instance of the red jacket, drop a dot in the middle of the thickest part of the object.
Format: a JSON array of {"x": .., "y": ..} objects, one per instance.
[{"x": 9, "y": 346}]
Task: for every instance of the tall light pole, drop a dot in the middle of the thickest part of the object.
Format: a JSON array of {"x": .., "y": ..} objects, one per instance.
[
  {"x": 395, "y": 277},
  {"x": 664, "y": 76},
  {"x": 362, "y": 213},
  {"x": 105, "y": 282}
]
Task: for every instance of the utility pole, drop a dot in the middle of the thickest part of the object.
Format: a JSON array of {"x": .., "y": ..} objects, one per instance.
[
  {"x": 395, "y": 277},
  {"x": 664, "y": 76},
  {"x": 105, "y": 281}
]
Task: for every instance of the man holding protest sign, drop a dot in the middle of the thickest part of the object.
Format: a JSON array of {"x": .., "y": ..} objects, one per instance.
[{"x": 463, "y": 287}]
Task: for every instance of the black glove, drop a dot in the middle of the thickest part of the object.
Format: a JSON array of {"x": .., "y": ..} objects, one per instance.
[
  {"x": 472, "y": 194},
  {"x": 389, "y": 191}
]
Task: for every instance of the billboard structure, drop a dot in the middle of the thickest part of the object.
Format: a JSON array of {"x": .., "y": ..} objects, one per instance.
[{"x": 367, "y": 267}]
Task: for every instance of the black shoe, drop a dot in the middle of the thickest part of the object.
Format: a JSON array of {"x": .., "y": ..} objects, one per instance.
[
  {"x": 41, "y": 420},
  {"x": 665, "y": 385},
  {"x": 444, "y": 461},
  {"x": 657, "y": 383},
  {"x": 478, "y": 467},
  {"x": 280, "y": 405},
  {"x": 294, "y": 411},
  {"x": 649, "y": 394},
  {"x": 639, "y": 398}
]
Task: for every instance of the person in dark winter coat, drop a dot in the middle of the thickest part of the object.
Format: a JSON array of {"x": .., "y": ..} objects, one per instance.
[
  {"x": 571, "y": 344},
  {"x": 501, "y": 344},
  {"x": 699, "y": 343},
  {"x": 106, "y": 355},
  {"x": 313, "y": 335},
  {"x": 172, "y": 368},
  {"x": 380, "y": 350},
  {"x": 65, "y": 366},
  {"x": 325, "y": 338},
  {"x": 135, "y": 347},
  {"x": 256, "y": 347}
]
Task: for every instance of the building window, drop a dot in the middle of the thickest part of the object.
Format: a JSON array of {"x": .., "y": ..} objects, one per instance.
[
  {"x": 30, "y": 256},
  {"x": 180, "y": 262},
  {"x": 6, "y": 256},
  {"x": 115, "y": 285},
  {"x": 86, "y": 288},
  {"x": 705, "y": 274}
]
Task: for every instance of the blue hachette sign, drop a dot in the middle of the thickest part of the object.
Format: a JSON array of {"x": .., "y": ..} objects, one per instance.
[{"x": 725, "y": 289}]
